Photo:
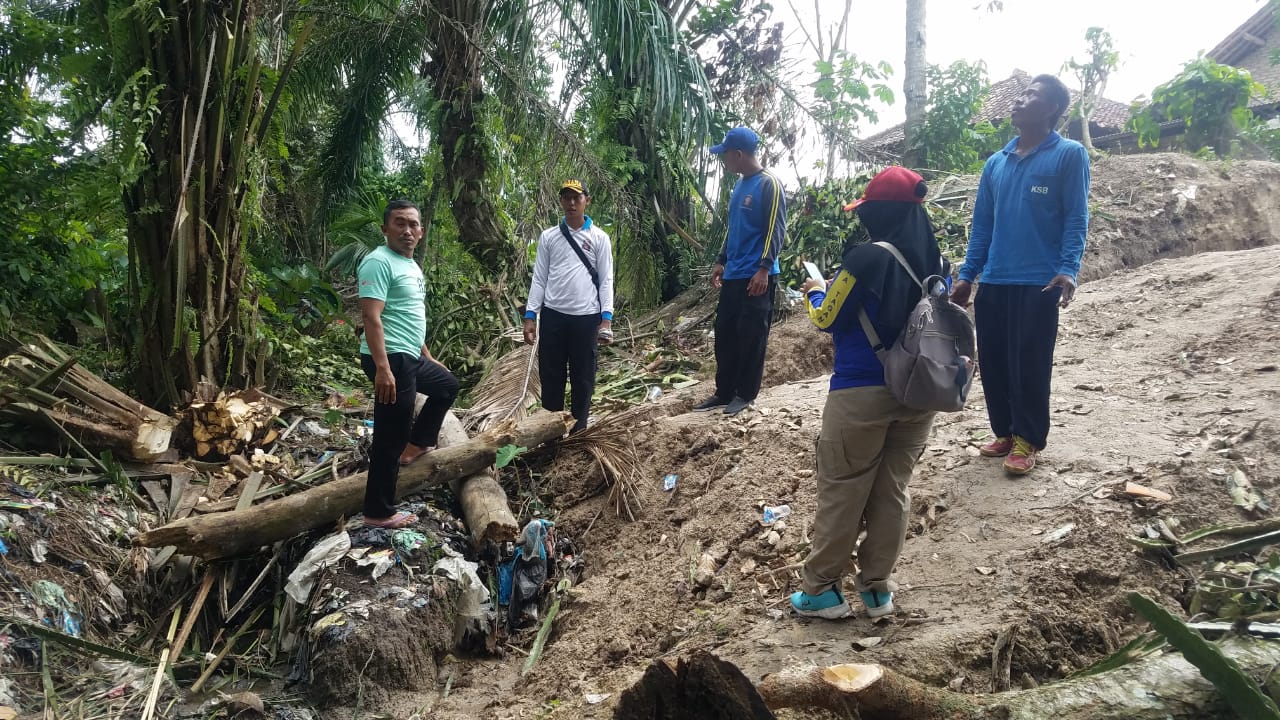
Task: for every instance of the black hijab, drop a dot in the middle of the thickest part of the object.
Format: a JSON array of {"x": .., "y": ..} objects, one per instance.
[{"x": 906, "y": 226}]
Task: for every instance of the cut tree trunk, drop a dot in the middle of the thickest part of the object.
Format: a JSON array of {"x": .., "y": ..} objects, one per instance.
[
  {"x": 483, "y": 501},
  {"x": 1162, "y": 686},
  {"x": 226, "y": 534},
  {"x": 1158, "y": 687},
  {"x": 40, "y": 382},
  {"x": 702, "y": 687}
]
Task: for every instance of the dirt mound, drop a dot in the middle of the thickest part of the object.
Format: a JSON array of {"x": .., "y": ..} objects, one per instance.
[
  {"x": 1155, "y": 365},
  {"x": 1149, "y": 207},
  {"x": 1158, "y": 361}
]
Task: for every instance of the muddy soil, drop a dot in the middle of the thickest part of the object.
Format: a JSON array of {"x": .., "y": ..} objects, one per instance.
[{"x": 1154, "y": 365}]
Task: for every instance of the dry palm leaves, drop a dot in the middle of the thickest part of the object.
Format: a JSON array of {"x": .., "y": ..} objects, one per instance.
[
  {"x": 608, "y": 441},
  {"x": 42, "y": 384},
  {"x": 508, "y": 390}
]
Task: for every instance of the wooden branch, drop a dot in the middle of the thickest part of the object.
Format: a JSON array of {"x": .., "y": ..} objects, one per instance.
[{"x": 227, "y": 534}]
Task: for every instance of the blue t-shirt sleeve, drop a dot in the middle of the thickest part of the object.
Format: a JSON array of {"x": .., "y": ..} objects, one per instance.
[
  {"x": 1075, "y": 209},
  {"x": 374, "y": 277}
]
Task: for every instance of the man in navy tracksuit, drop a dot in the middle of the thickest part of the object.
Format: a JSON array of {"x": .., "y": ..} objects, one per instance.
[
  {"x": 746, "y": 273},
  {"x": 1029, "y": 226}
]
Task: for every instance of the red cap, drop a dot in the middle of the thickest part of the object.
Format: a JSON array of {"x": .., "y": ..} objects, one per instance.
[{"x": 894, "y": 184}]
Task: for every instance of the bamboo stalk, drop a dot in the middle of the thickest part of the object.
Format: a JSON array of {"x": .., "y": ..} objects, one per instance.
[
  {"x": 149, "y": 710},
  {"x": 193, "y": 614},
  {"x": 198, "y": 685}
]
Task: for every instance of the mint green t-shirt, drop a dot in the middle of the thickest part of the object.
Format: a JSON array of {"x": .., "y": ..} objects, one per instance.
[{"x": 397, "y": 281}]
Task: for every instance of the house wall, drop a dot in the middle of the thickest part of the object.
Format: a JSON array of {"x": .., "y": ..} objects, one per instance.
[{"x": 1258, "y": 63}]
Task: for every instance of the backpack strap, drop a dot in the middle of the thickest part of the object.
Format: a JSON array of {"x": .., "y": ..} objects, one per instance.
[
  {"x": 870, "y": 330},
  {"x": 897, "y": 255},
  {"x": 595, "y": 279},
  {"x": 926, "y": 286},
  {"x": 876, "y": 346}
]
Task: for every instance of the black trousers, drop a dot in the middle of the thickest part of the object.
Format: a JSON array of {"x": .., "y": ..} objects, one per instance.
[
  {"x": 394, "y": 425},
  {"x": 742, "y": 336},
  {"x": 1017, "y": 331},
  {"x": 568, "y": 341}
]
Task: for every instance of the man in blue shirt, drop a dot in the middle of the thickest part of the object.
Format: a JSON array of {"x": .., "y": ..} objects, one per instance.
[
  {"x": 746, "y": 273},
  {"x": 1028, "y": 234}
]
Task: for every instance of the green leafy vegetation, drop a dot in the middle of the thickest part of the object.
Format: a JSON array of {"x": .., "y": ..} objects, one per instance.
[
  {"x": 1236, "y": 687},
  {"x": 1210, "y": 99}
]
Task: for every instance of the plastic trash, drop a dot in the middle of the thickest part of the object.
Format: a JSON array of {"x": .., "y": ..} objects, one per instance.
[
  {"x": 654, "y": 393},
  {"x": 52, "y": 596},
  {"x": 774, "y": 513},
  {"x": 529, "y": 573},
  {"x": 325, "y": 553},
  {"x": 506, "y": 573},
  {"x": 4, "y": 549},
  {"x": 408, "y": 542},
  {"x": 669, "y": 481},
  {"x": 463, "y": 572},
  {"x": 314, "y": 428},
  {"x": 381, "y": 560}
]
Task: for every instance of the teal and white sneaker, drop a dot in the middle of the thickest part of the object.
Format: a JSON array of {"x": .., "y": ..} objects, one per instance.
[
  {"x": 878, "y": 604},
  {"x": 829, "y": 605}
]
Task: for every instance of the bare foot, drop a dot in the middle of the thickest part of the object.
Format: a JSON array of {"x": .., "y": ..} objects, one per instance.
[
  {"x": 413, "y": 452},
  {"x": 395, "y": 522}
]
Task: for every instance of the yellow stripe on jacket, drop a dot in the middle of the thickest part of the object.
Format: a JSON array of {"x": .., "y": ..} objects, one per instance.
[
  {"x": 773, "y": 213},
  {"x": 840, "y": 290}
]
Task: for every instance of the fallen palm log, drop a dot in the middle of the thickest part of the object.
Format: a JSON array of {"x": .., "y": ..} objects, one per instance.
[
  {"x": 483, "y": 501},
  {"x": 226, "y": 534},
  {"x": 1161, "y": 686},
  {"x": 42, "y": 385},
  {"x": 1171, "y": 688}
]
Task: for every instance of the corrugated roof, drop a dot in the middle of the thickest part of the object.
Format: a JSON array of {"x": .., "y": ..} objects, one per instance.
[{"x": 1109, "y": 114}]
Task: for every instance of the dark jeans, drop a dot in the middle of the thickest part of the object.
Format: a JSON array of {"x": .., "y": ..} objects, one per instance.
[
  {"x": 742, "y": 336},
  {"x": 394, "y": 425},
  {"x": 1017, "y": 330},
  {"x": 568, "y": 340}
]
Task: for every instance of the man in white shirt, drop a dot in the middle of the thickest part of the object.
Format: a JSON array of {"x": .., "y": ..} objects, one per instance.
[{"x": 572, "y": 289}]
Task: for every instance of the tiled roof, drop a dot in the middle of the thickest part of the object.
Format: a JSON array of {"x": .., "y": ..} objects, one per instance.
[
  {"x": 1242, "y": 41},
  {"x": 1109, "y": 114},
  {"x": 1250, "y": 47}
]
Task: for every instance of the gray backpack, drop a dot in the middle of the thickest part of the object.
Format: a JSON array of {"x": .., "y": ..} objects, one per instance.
[{"x": 931, "y": 365}]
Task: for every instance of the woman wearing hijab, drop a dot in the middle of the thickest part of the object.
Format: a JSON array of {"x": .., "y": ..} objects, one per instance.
[{"x": 869, "y": 441}]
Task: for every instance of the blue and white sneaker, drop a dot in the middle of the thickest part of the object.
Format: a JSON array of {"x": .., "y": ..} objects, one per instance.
[
  {"x": 878, "y": 604},
  {"x": 829, "y": 605}
]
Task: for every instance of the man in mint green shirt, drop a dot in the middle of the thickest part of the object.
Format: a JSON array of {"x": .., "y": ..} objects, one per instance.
[{"x": 395, "y": 357}]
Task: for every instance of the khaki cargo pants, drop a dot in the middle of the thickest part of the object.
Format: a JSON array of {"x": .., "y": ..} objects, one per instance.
[{"x": 866, "y": 451}]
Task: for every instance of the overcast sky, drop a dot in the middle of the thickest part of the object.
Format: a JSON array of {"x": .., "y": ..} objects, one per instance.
[{"x": 1154, "y": 38}]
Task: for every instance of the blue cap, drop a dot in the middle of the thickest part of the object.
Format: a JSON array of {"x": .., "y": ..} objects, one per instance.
[{"x": 740, "y": 138}]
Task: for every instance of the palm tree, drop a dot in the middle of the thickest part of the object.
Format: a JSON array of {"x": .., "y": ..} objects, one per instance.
[
  {"x": 187, "y": 93},
  {"x": 464, "y": 51},
  {"x": 914, "y": 87}
]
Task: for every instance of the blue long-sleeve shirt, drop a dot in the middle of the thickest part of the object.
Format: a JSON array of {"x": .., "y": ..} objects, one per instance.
[
  {"x": 1031, "y": 215},
  {"x": 835, "y": 310},
  {"x": 757, "y": 226}
]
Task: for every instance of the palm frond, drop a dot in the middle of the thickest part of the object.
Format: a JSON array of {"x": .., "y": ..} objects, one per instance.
[
  {"x": 608, "y": 441},
  {"x": 509, "y": 388}
]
